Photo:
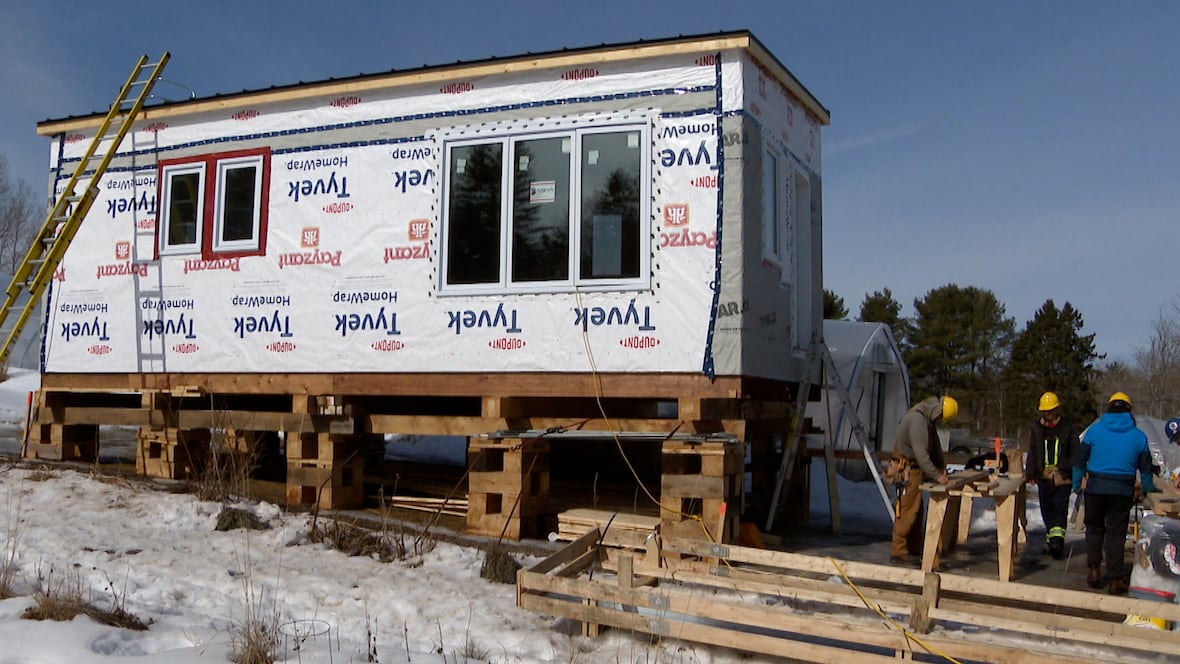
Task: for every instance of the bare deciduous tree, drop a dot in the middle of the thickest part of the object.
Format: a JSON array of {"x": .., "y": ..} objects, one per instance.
[
  {"x": 1158, "y": 364},
  {"x": 19, "y": 209}
]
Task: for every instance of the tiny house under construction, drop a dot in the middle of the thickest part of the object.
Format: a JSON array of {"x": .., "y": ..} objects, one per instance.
[{"x": 621, "y": 240}]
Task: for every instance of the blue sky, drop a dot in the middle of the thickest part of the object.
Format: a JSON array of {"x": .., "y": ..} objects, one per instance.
[{"x": 1027, "y": 148}]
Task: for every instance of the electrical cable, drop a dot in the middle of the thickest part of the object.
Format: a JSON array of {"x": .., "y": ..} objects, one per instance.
[{"x": 910, "y": 636}]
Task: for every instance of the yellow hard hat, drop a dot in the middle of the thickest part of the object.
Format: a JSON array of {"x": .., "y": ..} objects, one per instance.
[
  {"x": 950, "y": 408},
  {"x": 1049, "y": 401},
  {"x": 1119, "y": 396}
]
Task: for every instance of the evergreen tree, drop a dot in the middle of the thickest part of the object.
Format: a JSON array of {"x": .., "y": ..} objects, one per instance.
[
  {"x": 834, "y": 308},
  {"x": 959, "y": 344},
  {"x": 880, "y": 307},
  {"x": 1051, "y": 355}
]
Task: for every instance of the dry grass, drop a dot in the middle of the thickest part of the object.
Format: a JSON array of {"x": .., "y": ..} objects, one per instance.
[
  {"x": 12, "y": 534},
  {"x": 63, "y": 597},
  {"x": 389, "y": 542},
  {"x": 255, "y": 638},
  {"x": 224, "y": 471}
]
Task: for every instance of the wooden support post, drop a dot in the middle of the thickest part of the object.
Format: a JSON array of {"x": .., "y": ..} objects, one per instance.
[
  {"x": 935, "y": 516},
  {"x": 508, "y": 486},
  {"x": 966, "y": 505},
  {"x": 700, "y": 480},
  {"x": 920, "y": 618},
  {"x": 325, "y": 469},
  {"x": 1006, "y": 534}
]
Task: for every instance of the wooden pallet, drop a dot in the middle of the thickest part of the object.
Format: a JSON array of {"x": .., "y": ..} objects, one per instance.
[{"x": 325, "y": 470}]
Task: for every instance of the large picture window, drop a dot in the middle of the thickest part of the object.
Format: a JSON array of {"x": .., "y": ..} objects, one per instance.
[
  {"x": 547, "y": 212},
  {"x": 214, "y": 205}
]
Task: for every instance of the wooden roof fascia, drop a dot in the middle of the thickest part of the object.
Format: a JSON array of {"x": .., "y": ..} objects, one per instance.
[{"x": 366, "y": 83}]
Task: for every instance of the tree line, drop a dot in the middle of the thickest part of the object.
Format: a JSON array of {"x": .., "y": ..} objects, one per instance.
[{"x": 961, "y": 342}]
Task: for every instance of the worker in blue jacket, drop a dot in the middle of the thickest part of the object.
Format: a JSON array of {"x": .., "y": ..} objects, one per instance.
[{"x": 1113, "y": 449}]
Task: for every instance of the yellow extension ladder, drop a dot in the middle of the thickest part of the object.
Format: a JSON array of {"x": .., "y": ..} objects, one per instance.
[{"x": 52, "y": 240}]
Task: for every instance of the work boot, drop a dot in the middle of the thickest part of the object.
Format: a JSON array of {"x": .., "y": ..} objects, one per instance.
[
  {"x": 1117, "y": 587},
  {"x": 906, "y": 559},
  {"x": 1094, "y": 578},
  {"x": 1057, "y": 548}
]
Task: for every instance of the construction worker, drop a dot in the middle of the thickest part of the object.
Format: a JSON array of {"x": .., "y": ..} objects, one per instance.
[
  {"x": 918, "y": 453},
  {"x": 1049, "y": 465},
  {"x": 1112, "y": 450},
  {"x": 1172, "y": 430}
]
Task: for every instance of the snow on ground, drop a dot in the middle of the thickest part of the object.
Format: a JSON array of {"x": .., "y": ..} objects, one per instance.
[{"x": 155, "y": 553}]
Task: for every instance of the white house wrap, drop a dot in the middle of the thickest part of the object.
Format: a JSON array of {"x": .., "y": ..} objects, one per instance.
[{"x": 350, "y": 250}]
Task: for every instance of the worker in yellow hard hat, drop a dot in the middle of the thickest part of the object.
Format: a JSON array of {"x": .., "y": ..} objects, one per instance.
[
  {"x": 1112, "y": 452},
  {"x": 917, "y": 456},
  {"x": 1052, "y": 440}
]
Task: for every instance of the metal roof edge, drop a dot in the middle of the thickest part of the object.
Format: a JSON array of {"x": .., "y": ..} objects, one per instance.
[{"x": 741, "y": 39}]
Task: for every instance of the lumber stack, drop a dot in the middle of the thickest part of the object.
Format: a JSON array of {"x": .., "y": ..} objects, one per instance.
[
  {"x": 507, "y": 486},
  {"x": 62, "y": 442},
  {"x": 171, "y": 453},
  {"x": 620, "y": 530},
  {"x": 701, "y": 489},
  {"x": 326, "y": 470}
]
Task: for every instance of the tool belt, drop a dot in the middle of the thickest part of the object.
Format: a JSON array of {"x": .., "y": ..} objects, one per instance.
[
  {"x": 1054, "y": 473},
  {"x": 896, "y": 469}
]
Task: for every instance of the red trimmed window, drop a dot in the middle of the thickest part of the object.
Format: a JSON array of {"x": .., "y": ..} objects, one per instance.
[{"x": 214, "y": 205}]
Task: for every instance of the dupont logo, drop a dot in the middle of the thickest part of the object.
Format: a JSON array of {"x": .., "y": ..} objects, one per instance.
[
  {"x": 99, "y": 349},
  {"x": 74, "y": 138},
  {"x": 122, "y": 250},
  {"x": 506, "y": 343},
  {"x": 639, "y": 342},
  {"x": 706, "y": 60},
  {"x": 754, "y": 108},
  {"x": 418, "y": 230},
  {"x": 456, "y": 88},
  {"x": 704, "y": 182},
  {"x": 579, "y": 74},
  {"x": 245, "y": 114},
  {"x": 676, "y": 214},
  {"x": 156, "y": 127},
  {"x": 345, "y": 102},
  {"x": 387, "y": 345},
  {"x": 309, "y": 237},
  {"x": 59, "y": 274},
  {"x": 280, "y": 346},
  {"x": 338, "y": 208},
  {"x": 146, "y": 224},
  {"x": 186, "y": 348}
]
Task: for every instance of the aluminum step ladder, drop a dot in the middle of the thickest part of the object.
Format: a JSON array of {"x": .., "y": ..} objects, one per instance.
[
  {"x": 819, "y": 358},
  {"x": 49, "y": 246}
]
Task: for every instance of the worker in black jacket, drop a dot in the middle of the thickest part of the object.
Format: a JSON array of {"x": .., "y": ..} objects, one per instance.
[{"x": 1052, "y": 442}]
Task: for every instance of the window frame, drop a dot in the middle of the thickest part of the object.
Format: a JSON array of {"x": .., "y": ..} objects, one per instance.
[
  {"x": 774, "y": 208},
  {"x": 167, "y": 172},
  {"x": 211, "y": 206},
  {"x": 508, "y": 137}
]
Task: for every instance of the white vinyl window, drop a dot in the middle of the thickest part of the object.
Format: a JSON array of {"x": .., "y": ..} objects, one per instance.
[
  {"x": 547, "y": 212},
  {"x": 237, "y": 214},
  {"x": 183, "y": 209}
]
